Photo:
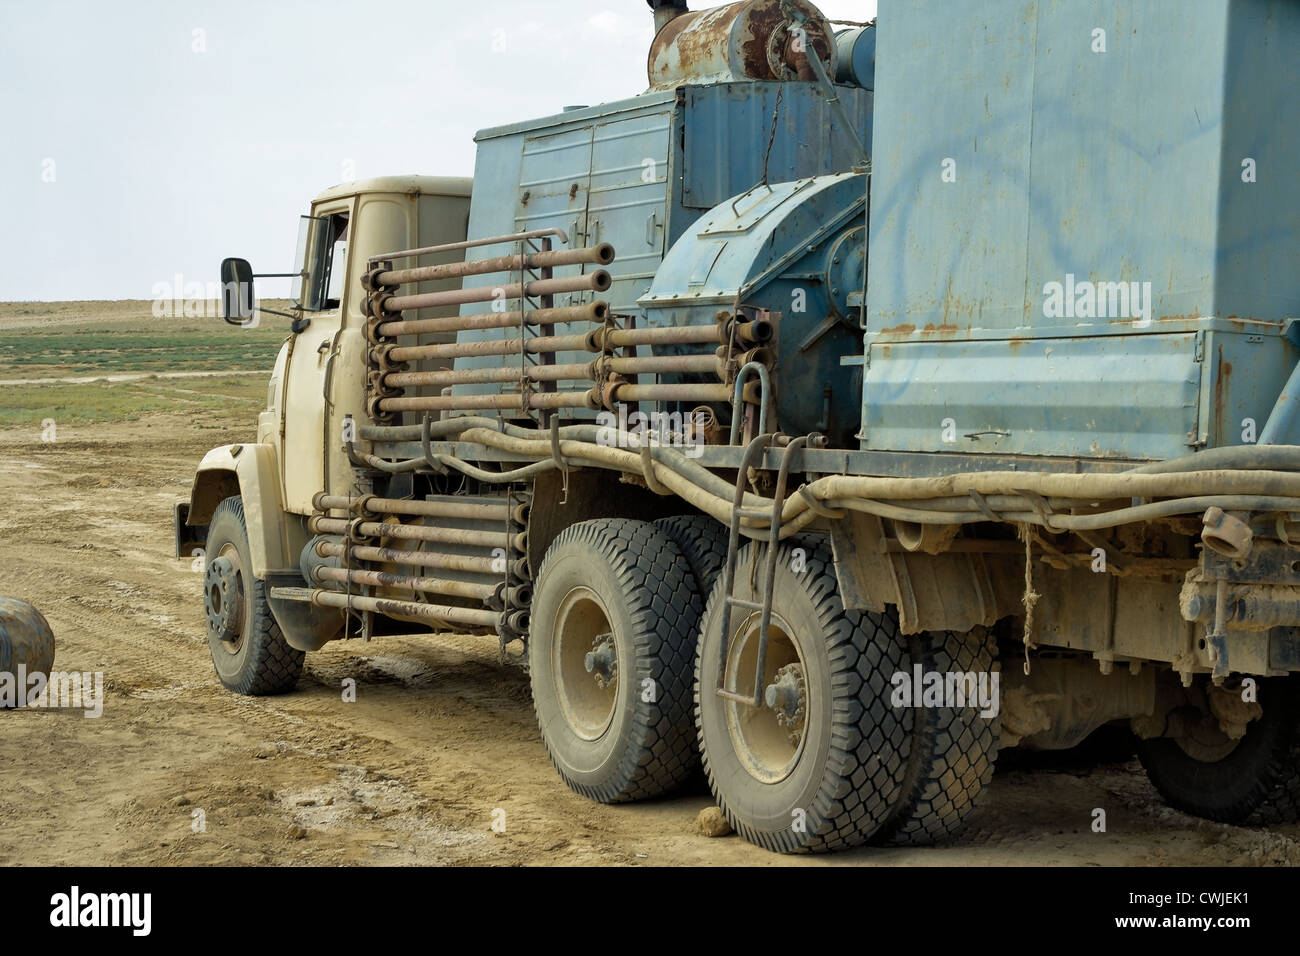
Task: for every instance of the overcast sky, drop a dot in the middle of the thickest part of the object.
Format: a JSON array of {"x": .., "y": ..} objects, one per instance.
[{"x": 145, "y": 139}]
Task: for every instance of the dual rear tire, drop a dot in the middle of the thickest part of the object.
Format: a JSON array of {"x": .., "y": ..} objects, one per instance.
[{"x": 626, "y": 663}]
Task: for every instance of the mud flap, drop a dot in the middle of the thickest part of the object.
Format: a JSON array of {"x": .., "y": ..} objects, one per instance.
[
  {"x": 304, "y": 625},
  {"x": 190, "y": 540}
]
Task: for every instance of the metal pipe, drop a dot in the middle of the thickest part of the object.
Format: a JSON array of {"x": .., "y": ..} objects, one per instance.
[
  {"x": 482, "y": 376},
  {"x": 661, "y": 364},
  {"x": 627, "y": 392},
  {"x": 318, "y": 524},
  {"x": 471, "y": 402},
  {"x": 387, "y": 606},
  {"x": 602, "y": 254},
  {"x": 404, "y": 506},
  {"x": 471, "y": 243},
  {"x": 765, "y": 389},
  {"x": 592, "y": 312},
  {"x": 598, "y": 281},
  {"x": 756, "y": 332},
  {"x": 401, "y": 582},
  {"x": 669, "y": 364},
  {"x": 1280, "y": 428},
  {"x": 447, "y": 350},
  {"x": 667, "y": 335},
  {"x": 468, "y": 563}
]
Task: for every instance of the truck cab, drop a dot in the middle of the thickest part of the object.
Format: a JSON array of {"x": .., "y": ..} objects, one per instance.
[{"x": 293, "y": 458}]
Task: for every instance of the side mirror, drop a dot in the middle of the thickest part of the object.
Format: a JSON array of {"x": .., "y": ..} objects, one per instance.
[{"x": 236, "y": 291}]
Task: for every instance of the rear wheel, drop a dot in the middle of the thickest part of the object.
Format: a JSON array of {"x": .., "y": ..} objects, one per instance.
[
  {"x": 249, "y": 652},
  {"x": 1252, "y": 780},
  {"x": 953, "y": 749},
  {"x": 614, "y": 618},
  {"x": 703, "y": 542},
  {"x": 820, "y": 764}
]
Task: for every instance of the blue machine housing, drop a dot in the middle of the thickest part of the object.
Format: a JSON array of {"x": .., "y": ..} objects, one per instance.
[
  {"x": 1011, "y": 153},
  {"x": 638, "y": 173},
  {"x": 797, "y": 252}
]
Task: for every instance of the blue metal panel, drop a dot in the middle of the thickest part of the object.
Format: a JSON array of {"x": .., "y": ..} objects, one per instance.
[
  {"x": 1024, "y": 144},
  {"x": 1258, "y": 253},
  {"x": 1242, "y": 371},
  {"x": 1132, "y": 397},
  {"x": 728, "y": 128},
  {"x": 616, "y": 173},
  {"x": 585, "y": 172},
  {"x": 629, "y": 199}
]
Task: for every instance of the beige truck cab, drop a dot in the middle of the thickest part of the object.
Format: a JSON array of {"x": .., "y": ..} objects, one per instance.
[{"x": 301, "y": 435}]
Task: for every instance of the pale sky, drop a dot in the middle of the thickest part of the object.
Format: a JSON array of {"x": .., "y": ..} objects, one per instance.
[{"x": 147, "y": 138}]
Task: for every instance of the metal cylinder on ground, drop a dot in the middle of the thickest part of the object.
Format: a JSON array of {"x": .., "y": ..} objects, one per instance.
[{"x": 26, "y": 647}]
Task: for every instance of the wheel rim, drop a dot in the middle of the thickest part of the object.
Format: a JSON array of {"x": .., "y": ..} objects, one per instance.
[
  {"x": 585, "y": 662},
  {"x": 224, "y": 599},
  {"x": 768, "y": 739},
  {"x": 1205, "y": 742}
]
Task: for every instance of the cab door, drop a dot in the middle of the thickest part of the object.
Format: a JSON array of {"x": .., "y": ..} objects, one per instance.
[{"x": 325, "y": 292}]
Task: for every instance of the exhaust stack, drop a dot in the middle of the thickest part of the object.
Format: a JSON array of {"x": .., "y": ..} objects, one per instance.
[{"x": 666, "y": 10}]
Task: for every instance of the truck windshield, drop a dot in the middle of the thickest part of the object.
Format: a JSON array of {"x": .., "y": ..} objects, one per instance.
[{"x": 322, "y": 252}]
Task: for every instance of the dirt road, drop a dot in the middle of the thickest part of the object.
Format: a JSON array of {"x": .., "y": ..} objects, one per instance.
[{"x": 438, "y": 739}]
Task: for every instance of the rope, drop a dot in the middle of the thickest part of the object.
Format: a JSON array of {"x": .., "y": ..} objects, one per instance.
[{"x": 1031, "y": 596}]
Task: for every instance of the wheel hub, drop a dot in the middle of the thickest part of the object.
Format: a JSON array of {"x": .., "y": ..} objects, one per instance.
[
  {"x": 224, "y": 599},
  {"x": 601, "y": 661},
  {"x": 786, "y": 696}
]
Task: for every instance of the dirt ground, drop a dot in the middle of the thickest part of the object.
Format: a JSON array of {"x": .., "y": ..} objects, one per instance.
[{"x": 439, "y": 739}]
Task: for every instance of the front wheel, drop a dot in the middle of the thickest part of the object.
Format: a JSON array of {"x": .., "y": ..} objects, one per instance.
[
  {"x": 820, "y": 763},
  {"x": 249, "y": 652}
]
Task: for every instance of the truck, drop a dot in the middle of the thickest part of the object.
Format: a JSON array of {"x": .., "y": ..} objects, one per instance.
[{"x": 844, "y": 408}]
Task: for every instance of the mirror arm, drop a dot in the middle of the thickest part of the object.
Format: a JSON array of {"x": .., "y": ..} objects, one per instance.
[{"x": 286, "y": 315}]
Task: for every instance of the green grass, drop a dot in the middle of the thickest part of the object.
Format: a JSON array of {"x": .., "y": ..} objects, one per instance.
[
  {"x": 128, "y": 401},
  {"x": 60, "y": 352}
]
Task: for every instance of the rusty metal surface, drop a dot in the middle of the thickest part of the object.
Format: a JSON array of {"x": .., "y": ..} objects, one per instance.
[
  {"x": 439, "y": 508},
  {"x": 749, "y": 40},
  {"x": 472, "y": 402},
  {"x": 26, "y": 639},
  {"x": 468, "y": 563},
  {"x": 406, "y": 610},
  {"x": 402, "y": 582},
  {"x": 602, "y": 254},
  {"x": 597, "y": 281},
  {"x": 591, "y": 312},
  {"x": 418, "y": 532}
]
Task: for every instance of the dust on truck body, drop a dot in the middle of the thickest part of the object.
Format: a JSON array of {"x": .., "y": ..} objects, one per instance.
[{"x": 842, "y": 408}]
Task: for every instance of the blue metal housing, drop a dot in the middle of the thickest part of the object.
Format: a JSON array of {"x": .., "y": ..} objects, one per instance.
[
  {"x": 639, "y": 172},
  {"x": 1083, "y": 143},
  {"x": 797, "y": 251}
]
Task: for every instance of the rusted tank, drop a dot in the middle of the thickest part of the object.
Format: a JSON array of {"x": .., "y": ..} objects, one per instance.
[
  {"x": 26, "y": 645},
  {"x": 749, "y": 40}
]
